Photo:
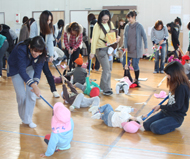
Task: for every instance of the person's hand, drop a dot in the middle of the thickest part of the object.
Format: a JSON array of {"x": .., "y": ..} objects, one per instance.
[
  {"x": 126, "y": 50},
  {"x": 35, "y": 89},
  {"x": 160, "y": 43},
  {"x": 155, "y": 46},
  {"x": 126, "y": 67},
  {"x": 70, "y": 51},
  {"x": 90, "y": 40},
  {"x": 51, "y": 59},
  {"x": 91, "y": 56},
  {"x": 64, "y": 79},
  {"x": 42, "y": 155},
  {"x": 146, "y": 50},
  {"x": 67, "y": 68},
  {"x": 118, "y": 38},
  {"x": 156, "y": 108},
  {"x": 187, "y": 53}
]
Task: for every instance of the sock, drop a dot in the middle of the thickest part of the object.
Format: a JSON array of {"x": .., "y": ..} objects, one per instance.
[
  {"x": 126, "y": 89},
  {"x": 137, "y": 75},
  {"x": 128, "y": 74}
]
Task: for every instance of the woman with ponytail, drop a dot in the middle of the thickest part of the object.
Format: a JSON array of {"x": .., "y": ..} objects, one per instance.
[{"x": 25, "y": 66}]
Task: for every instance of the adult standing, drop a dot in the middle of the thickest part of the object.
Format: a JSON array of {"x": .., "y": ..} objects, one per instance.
[
  {"x": 33, "y": 28},
  {"x": 24, "y": 31},
  {"x": 92, "y": 21},
  {"x": 58, "y": 30},
  {"x": 99, "y": 48},
  {"x": 133, "y": 35},
  {"x": 72, "y": 42},
  {"x": 159, "y": 34},
  {"x": 25, "y": 66},
  {"x": 46, "y": 31}
]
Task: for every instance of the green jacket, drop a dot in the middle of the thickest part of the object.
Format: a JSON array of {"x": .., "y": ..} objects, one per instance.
[
  {"x": 2, "y": 39},
  {"x": 89, "y": 86}
]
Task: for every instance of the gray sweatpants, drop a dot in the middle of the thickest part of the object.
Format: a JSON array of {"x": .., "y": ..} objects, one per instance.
[
  {"x": 25, "y": 98},
  {"x": 82, "y": 102},
  {"x": 103, "y": 58},
  {"x": 80, "y": 86}
]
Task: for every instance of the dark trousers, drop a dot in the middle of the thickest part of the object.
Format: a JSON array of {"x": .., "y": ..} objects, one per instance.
[
  {"x": 49, "y": 76},
  {"x": 73, "y": 57},
  {"x": 97, "y": 64}
]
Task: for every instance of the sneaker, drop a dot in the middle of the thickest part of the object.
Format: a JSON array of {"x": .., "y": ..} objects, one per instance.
[
  {"x": 55, "y": 94},
  {"x": 93, "y": 109},
  {"x": 162, "y": 72},
  {"x": 32, "y": 125},
  {"x": 155, "y": 72},
  {"x": 108, "y": 93},
  {"x": 71, "y": 108},
  {"x": 96, "y": 116}
]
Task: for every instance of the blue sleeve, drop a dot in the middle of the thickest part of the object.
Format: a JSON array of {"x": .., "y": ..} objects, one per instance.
[
  {"x": 49, "y": 44},
  {"x": 37, "y": 71},
  {"x": 22, "y": 56},
  {"x": 52, "y": 144}
]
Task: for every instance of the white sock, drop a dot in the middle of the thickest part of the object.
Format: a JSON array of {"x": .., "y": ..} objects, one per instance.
[
  {"x": 72, "y": 108},
  {"x": 126, "y": 89},
  {"x": 117, "y": 89},
  {"x": 96, "y": 116},
  {"x": 32, "y": 125}
]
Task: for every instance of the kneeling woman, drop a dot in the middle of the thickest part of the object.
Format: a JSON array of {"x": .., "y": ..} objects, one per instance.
[
  {"x": 25, "y": 66},
  {"x": 172, "y": 114}
]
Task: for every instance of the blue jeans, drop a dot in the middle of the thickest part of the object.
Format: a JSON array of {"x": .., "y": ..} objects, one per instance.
[
  {"x": 49, "y": 76},
  {"x": 162, "y": 62},
  {"x": 106, "y": 109},
  {"x": 161, "y": 124},
  {"x": 135, "y": 62}
]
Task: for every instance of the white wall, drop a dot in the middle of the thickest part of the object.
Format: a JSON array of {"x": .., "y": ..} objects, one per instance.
[{"x": 149, "y": 11}]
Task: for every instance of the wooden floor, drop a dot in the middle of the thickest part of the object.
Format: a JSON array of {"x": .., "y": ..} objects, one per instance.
[{"x": 92, "y": 138}]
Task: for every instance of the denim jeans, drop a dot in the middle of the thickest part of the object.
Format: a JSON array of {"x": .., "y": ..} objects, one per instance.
[
  {"x": 106, "y": 109},
  {"x": 49, "y": 76},
  {"x": 135, "y": 62},
  {"x": 162, "y": 62},
  {"x": 161, "y": 124}
]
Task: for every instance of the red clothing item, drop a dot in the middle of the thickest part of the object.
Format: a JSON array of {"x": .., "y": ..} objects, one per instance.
[{"x": 72, "y": 41}]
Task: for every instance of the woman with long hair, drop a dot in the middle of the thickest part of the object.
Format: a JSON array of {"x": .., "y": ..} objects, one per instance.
[
  {"x": 99, "y": 47},
  {"x": 46, "y": 31},
  {"x": 172, "y": 114},
  {"x": 25, "y": 65}
]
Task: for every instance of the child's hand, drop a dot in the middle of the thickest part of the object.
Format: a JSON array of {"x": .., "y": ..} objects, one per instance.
[
  {"x": 67, "y": 68},
  {"x": 42, "y": 155},
  {"x": 156, "y": 108},
  {"x": 63, "y": 79}
]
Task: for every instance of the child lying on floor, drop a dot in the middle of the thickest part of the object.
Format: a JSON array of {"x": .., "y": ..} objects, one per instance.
[
  {"x": 75, "y": 99},
  {"x": 121, "y": 119}
]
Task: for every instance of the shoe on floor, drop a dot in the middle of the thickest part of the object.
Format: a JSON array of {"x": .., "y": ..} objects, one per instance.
[
  {"x": 93, "y": 109},
  {"x": 162, "y": 72},
  {"x": 55, "y": 94},
  {"x": 155, "y": 72},
  {"x": 71, "y": 108},
  {"x": 32, "y": 125},
  {"x": 108, "y": 93},
  {"x": 137, "y": 83},
  {"x": 96, "y": 116}
]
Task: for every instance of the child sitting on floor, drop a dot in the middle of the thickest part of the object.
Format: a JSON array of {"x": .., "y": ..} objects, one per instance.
[
  {"x": 77, "y": 100},
  {"x": 123, "y": 85},
  {"x": 62, "y": 130},
  {"x": 90, "y": 88},
  {"x": 79, "y": 73},
  {"x": 117, "y": 119}
]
